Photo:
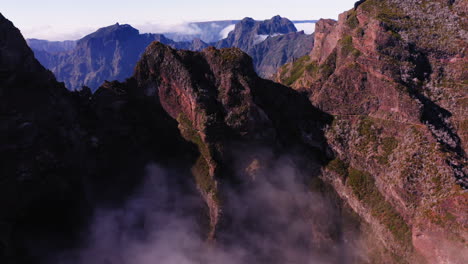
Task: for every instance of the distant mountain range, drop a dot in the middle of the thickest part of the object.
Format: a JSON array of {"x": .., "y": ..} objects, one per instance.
[
  {"x": 271, "y": 43},
  {"x": 111, "y": 52},
  {"x": 213, "y": 31}
]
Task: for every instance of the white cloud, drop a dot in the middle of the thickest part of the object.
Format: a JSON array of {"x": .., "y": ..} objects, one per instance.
[
  {"x": 64, "y": 32},
  {"x": 214, "y": 25},
  {"x": 225, "y": 32},
  {"x": 55, "y": 33},
  {"x": 260, "y": 38},
  {"x": 308, "y": 28},
  {"x": 182, "y": 28}
]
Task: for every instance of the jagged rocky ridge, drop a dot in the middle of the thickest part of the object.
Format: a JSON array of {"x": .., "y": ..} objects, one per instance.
[
  {"x": 206, "y": 117},
  {"x": 111, "y": 53},
  {"x": 391, "y": 73},
  {"x": 63, "y": 155},
  {"x": 388, "y": 164}
]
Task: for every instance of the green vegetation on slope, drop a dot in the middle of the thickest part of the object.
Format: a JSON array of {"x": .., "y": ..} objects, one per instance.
[
  {"x": 338, "y": 166},
  {"x": 201, "y": 169},
  {"x": 363, "y": 186},
  {"x": 297, "y": 70},
  {"x": 368, "y": 134},
  {"x": 388, "y": 145}
]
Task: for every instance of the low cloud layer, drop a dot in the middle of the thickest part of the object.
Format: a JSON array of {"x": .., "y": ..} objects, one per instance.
[
  {"x": 180, "y": 28},
  {"x": 273, "y": 218},
  {"x": 57, "y": 33},
  {"x": 216, "y": 32},
  {"x": 225, "y": 32},
  {"x": 308, "y": 28}
]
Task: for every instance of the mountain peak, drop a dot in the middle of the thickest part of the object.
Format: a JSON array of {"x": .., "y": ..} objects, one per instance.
[
  {"x": 276, "y": 25},
  {"x": 247, "y": 19},
  {"x": 16, "y": 57},
  {"x": 116, "y": 31},
  {"x": 277, "y": 17}
]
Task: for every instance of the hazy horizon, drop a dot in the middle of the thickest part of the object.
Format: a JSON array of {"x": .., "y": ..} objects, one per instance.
[{"x": 69, "y": 20}]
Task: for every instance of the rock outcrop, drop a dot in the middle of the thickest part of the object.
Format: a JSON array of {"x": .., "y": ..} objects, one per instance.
[
  {"x": 391, "y": 74},
  {"x": 362, "y": 160},
  {"x": 37, "y": 146},
  {"x": 220, "y": 102},
  {"x": 204, "y": 116},
  {"x": 63, "y": 155},
  {"x": 272, "y": 53}
]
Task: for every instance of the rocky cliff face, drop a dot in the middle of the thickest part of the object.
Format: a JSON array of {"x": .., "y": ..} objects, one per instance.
[
  {"x": 110, "y": 53},
  {"x": 37, "y": 131},
  {"x": 272, "y": 53},
  {"x": 364, "y": 161},
  {"x": 271, "y": 43},
  {"x": 206, "y": 117},
  {"x": 63, "y": 155},
  {"x": 219, "y": 102},
  {"x": 392, "y": 78}
]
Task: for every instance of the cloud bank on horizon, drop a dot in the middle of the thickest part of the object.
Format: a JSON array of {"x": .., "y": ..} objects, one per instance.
[
  {"x": 66, "y": 20},
  {"x": 308, "y": 28},
  {"x": 219, "y": 32}
]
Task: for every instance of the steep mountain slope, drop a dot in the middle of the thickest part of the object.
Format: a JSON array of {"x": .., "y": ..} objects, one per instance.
[
  {"x": 65, "y": 156},
  {"x": 111, "y": 53},
  {"x": 107, "y": 54},
  {"x": 375, "y": 172},
  {"x": 38, "y": 131},
  {"x": 271, "y": 43},
  {"x": 247, "y": 130},
  {"x": 272, "y": 53},
  {"x": 391, "y": 72},
  {"x": 62, "y": 156}
]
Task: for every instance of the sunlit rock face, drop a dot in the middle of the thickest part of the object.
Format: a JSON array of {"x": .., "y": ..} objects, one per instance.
[
  {"x": 197, "y": 126},
  {"x": 359, "y": 156},
  {"x": 394, "y": 83}
]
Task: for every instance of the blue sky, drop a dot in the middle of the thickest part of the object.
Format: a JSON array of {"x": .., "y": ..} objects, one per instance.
[{"x": 71, "y": 19}]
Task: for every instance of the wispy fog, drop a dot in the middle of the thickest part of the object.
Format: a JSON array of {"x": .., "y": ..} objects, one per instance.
[
  {"x": 225, "y": 32},
  {"x": 57, "y": 33},
  {"x": 181, "y": 28},
  {"x": 271, "y": 217}
]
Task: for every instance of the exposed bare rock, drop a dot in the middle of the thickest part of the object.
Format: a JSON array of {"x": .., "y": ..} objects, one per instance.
[
  {"x": 390, "y": 73},
  {"x": 63, "y": 155}
]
